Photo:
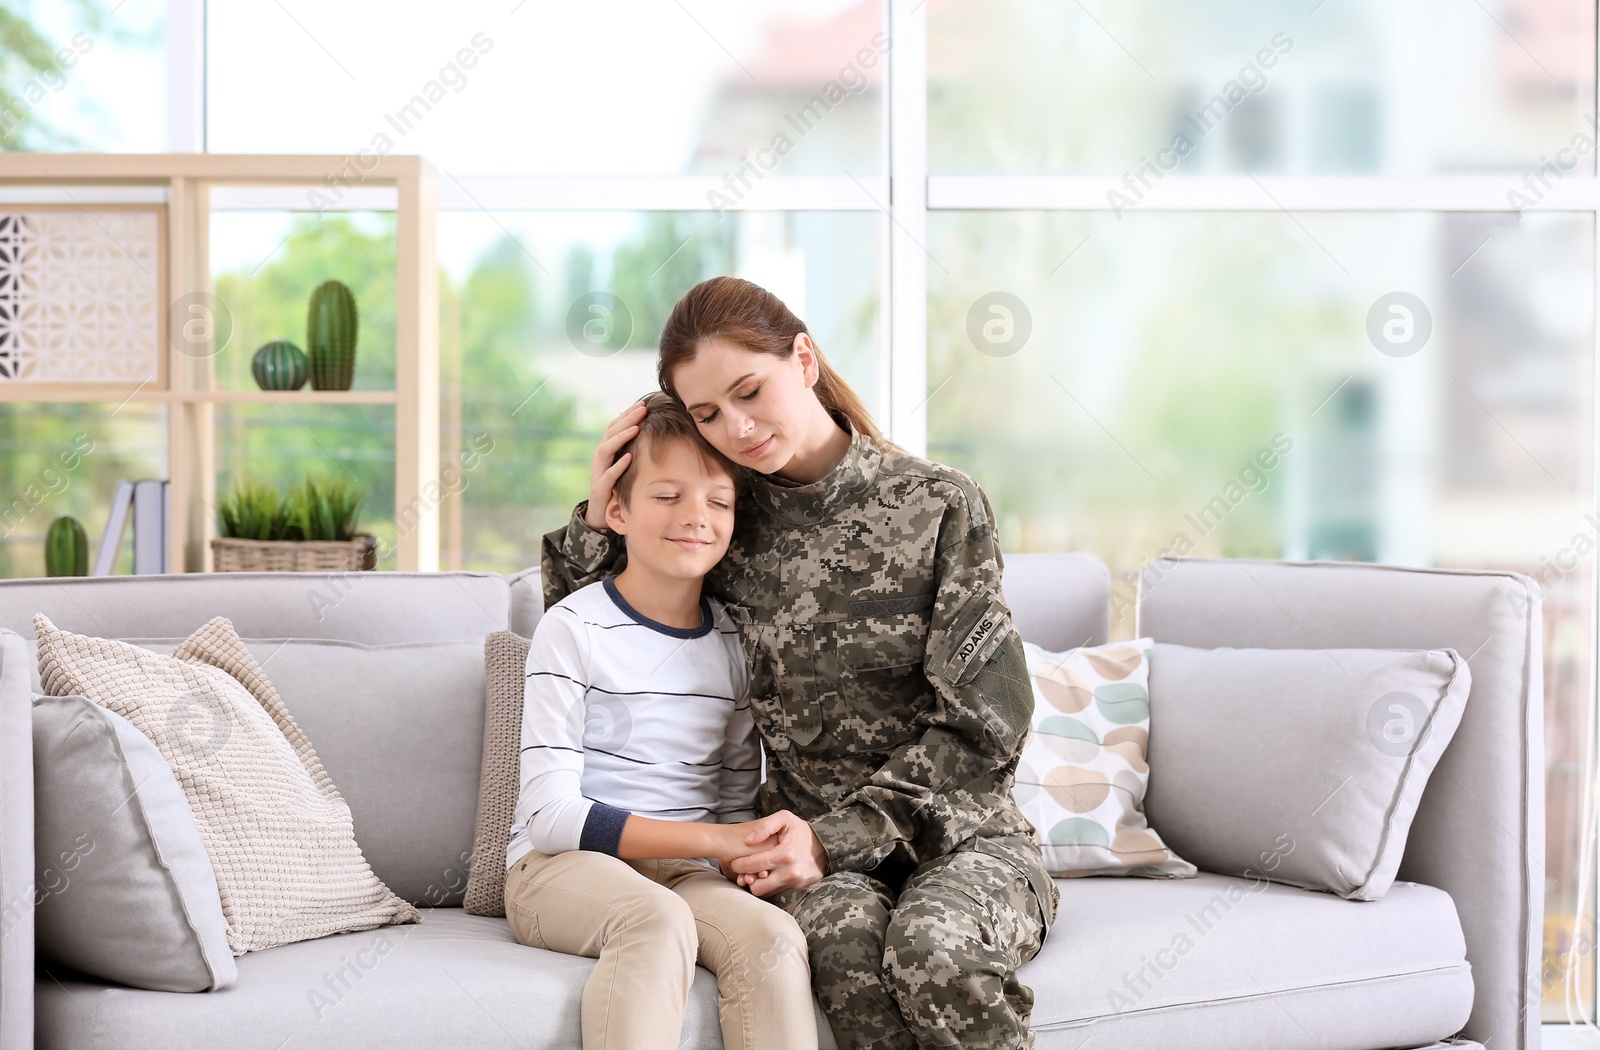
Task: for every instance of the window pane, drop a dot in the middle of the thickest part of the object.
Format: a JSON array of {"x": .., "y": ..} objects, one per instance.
[
  {"x": 1359, "y": 87},
  {"x": 58, "y": 459},
  {"x": 83, "y": 76},
  {"x": 1405, "y": 388},
  {"x": 265, "y": 266},
  {"x": 556, "y": 89},
  {"x": 549, "y": 329}
]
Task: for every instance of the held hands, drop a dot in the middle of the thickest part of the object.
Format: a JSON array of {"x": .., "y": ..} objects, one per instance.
[
  {"x": 603, "y": 472},
  {"x": 784, "y": 854},
  {"x": 731, "y": 844}
]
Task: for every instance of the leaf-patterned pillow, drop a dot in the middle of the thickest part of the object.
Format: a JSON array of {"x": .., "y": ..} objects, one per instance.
[{"x": 1082, "y": 777}]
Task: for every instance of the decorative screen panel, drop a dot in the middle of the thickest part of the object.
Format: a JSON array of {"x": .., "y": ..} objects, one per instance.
[{"x": 80, "y": 296}]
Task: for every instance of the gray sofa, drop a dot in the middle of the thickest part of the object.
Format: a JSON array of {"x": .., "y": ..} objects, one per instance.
[{"x": 384, "y": 672}]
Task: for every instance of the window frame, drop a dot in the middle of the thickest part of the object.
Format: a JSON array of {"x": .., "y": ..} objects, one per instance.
[{"x": 904, "y": 196}]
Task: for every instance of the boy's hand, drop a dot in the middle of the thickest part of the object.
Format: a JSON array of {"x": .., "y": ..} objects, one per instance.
[
  {"x": 733, "y": 876},
  {"x": 732, "y": 845}
]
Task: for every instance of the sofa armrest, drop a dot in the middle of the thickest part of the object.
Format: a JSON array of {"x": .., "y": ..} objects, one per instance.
[
  {"x": 1479, "y": 830},
  {"x": 16, "y": 843}
]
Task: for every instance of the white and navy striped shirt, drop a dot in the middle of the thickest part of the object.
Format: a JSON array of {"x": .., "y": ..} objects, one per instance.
[{"x": 622, "y": 714}]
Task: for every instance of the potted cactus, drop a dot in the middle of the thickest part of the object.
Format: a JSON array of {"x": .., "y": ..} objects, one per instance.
[
  {"x": 66, "y": 548},
  {"x": 331, "y": 336}
]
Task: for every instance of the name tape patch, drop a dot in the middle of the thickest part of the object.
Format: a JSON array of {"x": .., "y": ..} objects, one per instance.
[{"x": 975, "y": 638}]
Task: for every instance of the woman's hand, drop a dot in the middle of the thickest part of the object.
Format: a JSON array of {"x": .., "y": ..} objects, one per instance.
[
  {"x": 796, "y": 861},
  {"x": 606, "y": 467}
]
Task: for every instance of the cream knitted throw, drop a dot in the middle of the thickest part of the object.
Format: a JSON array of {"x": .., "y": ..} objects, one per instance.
[{"x": 278, "y": 832}]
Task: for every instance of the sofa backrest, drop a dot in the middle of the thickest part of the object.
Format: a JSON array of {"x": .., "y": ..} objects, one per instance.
[
  {"x": 1058, "y": 600},
  {"x": 383, "y": 671},
  {"x": 1479, "y": 831}
]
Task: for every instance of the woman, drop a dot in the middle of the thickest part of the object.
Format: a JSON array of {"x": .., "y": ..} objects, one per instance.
[{"x": 887, "y": 682}]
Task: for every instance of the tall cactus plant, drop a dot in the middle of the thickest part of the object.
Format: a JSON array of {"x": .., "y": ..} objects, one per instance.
[
  {"x": 66, "y": 548},
  {"x": 331, "y": 336}
]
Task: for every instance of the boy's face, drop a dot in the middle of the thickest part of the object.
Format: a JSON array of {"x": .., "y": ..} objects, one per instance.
[{"x": 679, "y": 517}]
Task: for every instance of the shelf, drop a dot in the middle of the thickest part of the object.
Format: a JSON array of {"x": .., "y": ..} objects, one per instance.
[
  {"x": 177, "y": 188},
  {"x": 291, "y": 397},
  {"x": 120, "y": 394}
]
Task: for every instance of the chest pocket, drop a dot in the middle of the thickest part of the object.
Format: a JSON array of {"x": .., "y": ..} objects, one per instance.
[
  {"x": 885, "y": 633},
  {"x": 871, "y": 675}
]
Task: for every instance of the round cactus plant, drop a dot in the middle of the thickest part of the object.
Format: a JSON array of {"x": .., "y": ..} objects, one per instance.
[
  {"x": 66, "y": 548},
  {"x": 279, "y": 365},
  {"x": 331, "y": 336}
]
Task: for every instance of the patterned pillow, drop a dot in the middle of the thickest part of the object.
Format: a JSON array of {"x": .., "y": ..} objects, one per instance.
[
  {"x": 278, "y": 832},
  {"x": 505, "y": 656},
  {"x": 1082, "y": 777}
]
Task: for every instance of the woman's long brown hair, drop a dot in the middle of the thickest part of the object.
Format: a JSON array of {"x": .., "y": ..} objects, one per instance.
[{"x": 754, "y": 319}]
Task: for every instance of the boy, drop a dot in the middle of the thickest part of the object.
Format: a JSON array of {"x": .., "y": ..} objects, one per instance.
[{"x": 639, "y": 755}]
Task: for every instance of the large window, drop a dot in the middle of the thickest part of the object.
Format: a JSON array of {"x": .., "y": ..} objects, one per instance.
[
  {"x": 1165, "y": 236},
  {"x": 1097, "y": 255}
]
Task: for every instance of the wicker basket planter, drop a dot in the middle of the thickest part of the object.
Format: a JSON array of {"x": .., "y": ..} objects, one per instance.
[{"x": 232, "y": 555}]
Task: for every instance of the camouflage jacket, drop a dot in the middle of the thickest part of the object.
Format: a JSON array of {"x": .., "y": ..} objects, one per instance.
[{"x": 887, "y": 679}]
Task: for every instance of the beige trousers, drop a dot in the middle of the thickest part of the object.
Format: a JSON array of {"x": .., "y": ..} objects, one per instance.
[{"x": 648, "y": 922}]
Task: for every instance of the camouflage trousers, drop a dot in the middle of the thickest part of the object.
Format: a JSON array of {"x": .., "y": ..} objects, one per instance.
[{"x": 933, "y": 964}]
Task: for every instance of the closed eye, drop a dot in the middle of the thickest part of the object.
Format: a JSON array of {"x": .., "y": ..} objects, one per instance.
[{"x": 711, "y": 417}]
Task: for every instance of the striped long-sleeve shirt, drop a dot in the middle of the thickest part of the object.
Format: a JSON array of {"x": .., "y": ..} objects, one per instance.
[{"x": 622, "y": 714}]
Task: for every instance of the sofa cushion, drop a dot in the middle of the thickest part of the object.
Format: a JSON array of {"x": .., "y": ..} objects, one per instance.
[
  {"x": 505, "y": 658},
  {"x": 400, "y": 730},
  {"x": 1304, "y": 766},
  {"x": 1082, "y": 776},
  {"x": 279, "y": 835},
  {"x": 125, "y": 890},
  {"x": 455, "y": 980},
  {"x": 1221, "y": 962},
  {"x": 1261, "y": 965}
]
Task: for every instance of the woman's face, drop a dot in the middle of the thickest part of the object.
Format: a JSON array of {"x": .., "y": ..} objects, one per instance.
[{"x": 754, "y": 408}]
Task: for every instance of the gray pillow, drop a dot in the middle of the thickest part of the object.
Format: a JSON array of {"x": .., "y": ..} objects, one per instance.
[
  {"x": 1302, "y": 766},
  {"x": 505, "y": 656},
  {"x": 124, "y": 888}
]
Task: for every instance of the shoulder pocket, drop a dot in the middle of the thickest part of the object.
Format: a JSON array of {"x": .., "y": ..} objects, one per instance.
[{"x": 968, "y": 643}]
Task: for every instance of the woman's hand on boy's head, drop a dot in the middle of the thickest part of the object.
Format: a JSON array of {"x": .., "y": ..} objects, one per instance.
[
  {"x": 798, "y": 860},
  {"x": 606, "y": 467}
]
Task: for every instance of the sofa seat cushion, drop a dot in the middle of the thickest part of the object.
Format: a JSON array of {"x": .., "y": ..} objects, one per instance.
[
  {"x": 1228, "y": 961},
  {"x": 452, "y": 980},
  {"x": 1265, "y": 965}
]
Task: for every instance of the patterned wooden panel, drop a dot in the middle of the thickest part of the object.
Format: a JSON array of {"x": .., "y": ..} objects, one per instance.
[{"x": 80, "y": 295}]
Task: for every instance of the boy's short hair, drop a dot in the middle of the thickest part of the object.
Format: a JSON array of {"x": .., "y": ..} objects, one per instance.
[{"x": 667, "y": 421}]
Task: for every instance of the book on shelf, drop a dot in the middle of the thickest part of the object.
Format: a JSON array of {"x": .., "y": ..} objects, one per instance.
[
  {"x": 105, "y": 562},
  {"x": 147, "y": 500},
  {"x": 149, "y": 526}
]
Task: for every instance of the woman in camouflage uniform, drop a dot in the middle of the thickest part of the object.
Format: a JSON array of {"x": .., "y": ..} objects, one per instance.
[{"x": 887, "y": 681}]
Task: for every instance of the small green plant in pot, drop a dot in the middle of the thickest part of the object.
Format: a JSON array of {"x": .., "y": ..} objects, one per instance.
[
  {"x": 324, "y": 508},
  {"x": 311, "y": 527},
  {"x": 252, "y": 510}
]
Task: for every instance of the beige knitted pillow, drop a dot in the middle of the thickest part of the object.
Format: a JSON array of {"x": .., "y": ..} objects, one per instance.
[
  {"x": 278, "y": 832},
  {"x": 505, "y": 657}
]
